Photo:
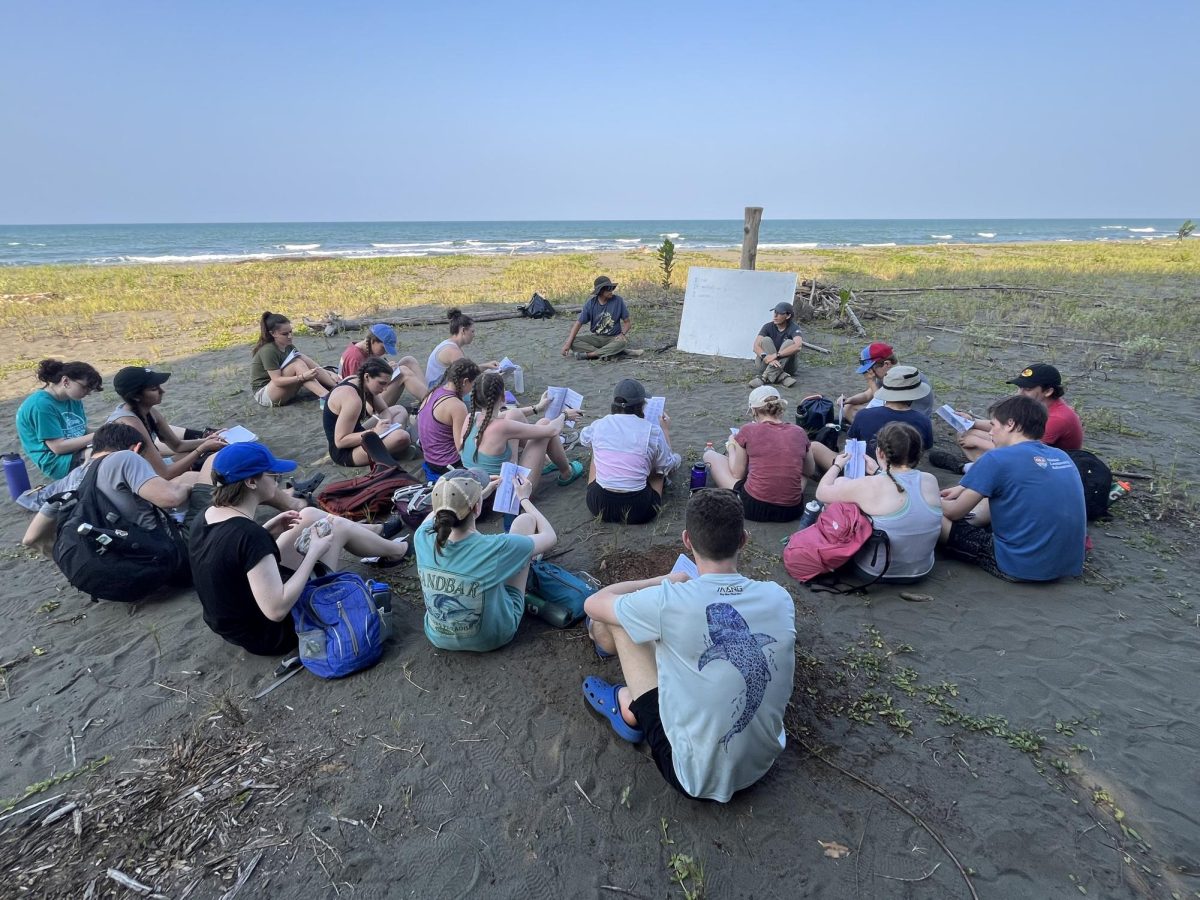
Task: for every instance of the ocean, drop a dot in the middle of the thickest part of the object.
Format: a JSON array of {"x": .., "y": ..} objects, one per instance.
[{"x": 25, "y": 245}]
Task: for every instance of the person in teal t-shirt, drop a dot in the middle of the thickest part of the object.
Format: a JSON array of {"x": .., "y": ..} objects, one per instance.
[
  {"x": 51, "y": 422},
  {"x": 474, "y": 584}
]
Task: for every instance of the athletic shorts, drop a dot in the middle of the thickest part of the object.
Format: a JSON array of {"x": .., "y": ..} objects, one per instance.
[
  {"x": 973, "y": 544},
  {"x": 645, "y": 710},
  {"x": 624, "y": 507},
  {"x": 262, "y": 398},
  {"x": 761, "y": 511}
]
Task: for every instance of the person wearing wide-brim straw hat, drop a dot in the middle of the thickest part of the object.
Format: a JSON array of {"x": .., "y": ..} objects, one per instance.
[
  {"x": 474, "y": 584},
  {"x": 902, "y": 387},
  {"x": 607, "y": 318}
]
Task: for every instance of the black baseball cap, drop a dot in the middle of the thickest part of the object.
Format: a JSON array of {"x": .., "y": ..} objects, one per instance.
[
  {"x": 629, "y": 392},
  {"x": 132, "y": 379},
  {"x": 1038, "y": 375}
]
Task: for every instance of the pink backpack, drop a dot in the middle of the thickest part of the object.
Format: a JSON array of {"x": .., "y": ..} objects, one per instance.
[{"x": 839, "y": 532}]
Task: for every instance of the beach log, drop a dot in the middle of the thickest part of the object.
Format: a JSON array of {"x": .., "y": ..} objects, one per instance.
[
  {"x": 486, "y": 316},
  {"x": 750, "y": 236}
]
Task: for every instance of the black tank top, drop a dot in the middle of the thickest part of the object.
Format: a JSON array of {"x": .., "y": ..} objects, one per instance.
[{"x": 329, "y": 421}]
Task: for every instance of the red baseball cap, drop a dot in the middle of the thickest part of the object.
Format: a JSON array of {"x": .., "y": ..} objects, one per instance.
[{"x": 873, "y": 353}]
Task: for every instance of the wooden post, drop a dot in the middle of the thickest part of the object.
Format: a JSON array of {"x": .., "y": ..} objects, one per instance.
[{"x": 750, "y": 236}]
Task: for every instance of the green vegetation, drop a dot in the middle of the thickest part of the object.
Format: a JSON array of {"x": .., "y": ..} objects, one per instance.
[{"x": 666, "y": 260}]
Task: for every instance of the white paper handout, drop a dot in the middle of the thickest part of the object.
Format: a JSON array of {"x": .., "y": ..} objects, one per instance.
[
  {"x": 560, "y": 397},
  {"x": 506, "y": 365},
  {"x": 291, "y": 356},
  {"x": 395, "y": 426},
  {"x": 961, "y": 424},
  {"x": 238, "y": 435},
  {"x": 685, "y": 564},
  {"x": 654, "y": 409},
  {"x": 856, "y": 465},
  {"x": 506, "y": 500}
]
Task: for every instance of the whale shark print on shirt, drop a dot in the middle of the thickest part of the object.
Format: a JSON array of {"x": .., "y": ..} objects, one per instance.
[{"x": 731, "y": 640}]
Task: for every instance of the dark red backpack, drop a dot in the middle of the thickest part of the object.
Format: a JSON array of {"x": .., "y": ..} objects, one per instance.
[{"x": 366, "y": 497}]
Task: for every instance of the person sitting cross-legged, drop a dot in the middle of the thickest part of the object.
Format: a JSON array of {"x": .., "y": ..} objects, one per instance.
[
  {"x": 607, "y": 318},
  {"x": 1019, "y": 513},
  {"x": 708, "y": 661},
  {"x": 777, "y": 346}
]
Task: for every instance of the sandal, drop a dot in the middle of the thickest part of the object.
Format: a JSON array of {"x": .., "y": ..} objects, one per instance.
[
  {"x": 603, "y": 654},
  {"x": 380, "y": 562},
  {"x": 307, "y": 485},
  {"x": 576, "y": 472},
  {"x": 549, "y": 467},
  {"x": 601, "y": 697}
]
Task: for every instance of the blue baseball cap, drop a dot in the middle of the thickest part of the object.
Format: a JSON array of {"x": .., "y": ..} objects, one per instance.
[
  {"x": 237, "y": 462},
  {"x": 387, "y": 336},
  {"x": 872, "y": 354}
]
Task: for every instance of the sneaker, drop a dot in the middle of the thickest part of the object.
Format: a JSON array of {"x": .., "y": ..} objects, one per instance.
[
  {"x": 579, "y": 355},
  {"x": 756, "y": 382},
  {"x": 944, "y": 459},
  {"x": 637, "y": 352},
  {"x": 788, "y": 381}
]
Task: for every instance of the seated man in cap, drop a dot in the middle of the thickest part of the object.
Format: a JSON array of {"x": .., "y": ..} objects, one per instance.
[
  {"x": 874, "y": 360},
  {"x": 381, "y": 341},
  {"x": 1019, "y": 514},
  {"x": 607, "y": 318},
  {"x": 777, "y": 347},
  {"x": 1041, "y": 382},
  {"x": 707, "y": 662}
]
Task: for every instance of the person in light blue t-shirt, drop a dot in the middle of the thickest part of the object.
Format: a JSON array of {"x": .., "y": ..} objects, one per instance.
[
  {"x": 708, "y": 660},
  {"x": 51, "y": 422},
  {"x": 1019, "y": 513},
  {"x": 474, "y": 584}
]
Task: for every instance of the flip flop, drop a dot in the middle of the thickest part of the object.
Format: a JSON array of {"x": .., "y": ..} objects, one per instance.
[
  {"x": 392, "y": 527},
  {"x": 576, "y": 472},
  {"x": 601, "y": 697},
  {"x": 603, "y": 654},
  {"x": 379, "y": 562}
]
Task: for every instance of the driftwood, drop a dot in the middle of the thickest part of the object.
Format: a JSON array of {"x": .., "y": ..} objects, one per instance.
[
  {"x": 1027, "y": 341},
  {"x": 1014, "y": 288},
  {"x": 814, "y": 300},
  {"x": 335, "y": 321}
]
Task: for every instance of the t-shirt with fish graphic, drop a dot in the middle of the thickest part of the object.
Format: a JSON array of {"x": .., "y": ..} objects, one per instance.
[
  {"x": 724, "y": 646},
  {"x": 467, "y": 604}
]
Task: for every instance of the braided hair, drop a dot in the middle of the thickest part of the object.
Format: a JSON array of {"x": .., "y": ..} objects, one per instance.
[
  {"x": 900, "y": 445},
  {"x": 372, "y": 367},
  {"x": 459, "y": 372},
  {"x": 486, "y": 395}
]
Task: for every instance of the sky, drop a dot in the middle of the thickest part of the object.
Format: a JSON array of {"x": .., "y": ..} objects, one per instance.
[{"x": 303, "y": 111}]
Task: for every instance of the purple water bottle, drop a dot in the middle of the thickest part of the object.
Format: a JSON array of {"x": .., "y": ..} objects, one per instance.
[
  {"x": 699, "y": 476},
  {"x": 15, "y": 474}
]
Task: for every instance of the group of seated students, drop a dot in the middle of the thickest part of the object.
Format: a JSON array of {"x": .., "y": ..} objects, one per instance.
[{"x": 706, "y": 662}]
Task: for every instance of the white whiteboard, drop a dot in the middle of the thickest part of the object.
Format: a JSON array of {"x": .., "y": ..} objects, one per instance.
[{"x": 723, "y": 309}]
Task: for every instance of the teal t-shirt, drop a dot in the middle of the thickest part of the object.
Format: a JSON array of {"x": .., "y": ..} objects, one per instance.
[
  {"x": 42, "y": 418},
  {"x": 467, "y": 604}
]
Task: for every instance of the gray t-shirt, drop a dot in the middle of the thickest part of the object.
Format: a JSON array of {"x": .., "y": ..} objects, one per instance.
[
  {"x": 604, "y": 318},
  {"x": 725, "y": 650},
  {"x": 119, "y": 477}
]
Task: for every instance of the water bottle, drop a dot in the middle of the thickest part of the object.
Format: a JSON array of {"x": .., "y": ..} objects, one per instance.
[
  {"x": 15, "y": 474},
  {"x": 699, "y": 476},
  {"x": 812, "y": 510}
]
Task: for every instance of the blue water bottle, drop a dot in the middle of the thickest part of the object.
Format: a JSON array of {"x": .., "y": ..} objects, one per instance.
[{"x": 15, "y": 474}]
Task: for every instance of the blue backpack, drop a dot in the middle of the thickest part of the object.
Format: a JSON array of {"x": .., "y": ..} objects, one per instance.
[
  {"x": 555, "y": 595},
  {"x": 339, "y": 626}
]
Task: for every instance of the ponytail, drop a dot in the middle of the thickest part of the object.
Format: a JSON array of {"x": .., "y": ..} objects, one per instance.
[
  {"x": 267, "y": 323},
  {"x": 50, "y": 371},
  {"x": 900, "y": 444},
  {"x": 444, "y": 521},
  {"x": 372, "y": 367}
]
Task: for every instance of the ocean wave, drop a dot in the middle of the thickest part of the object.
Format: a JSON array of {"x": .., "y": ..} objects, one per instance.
[
  {"x": 804, "y": 246},
  {"x": 941, "y": 237},
  {"x": 673, "y": 235},
  {"x": 628, "y": 240},
  {"x": 888, "y": 244},
  {"x": 297, "y": 246},
  {"x": 14, "y": 243},
  {"x": 410, "y": 245},
  {"x": 1142, "y": 230},
  {"x": 1112, "y": 227},
  {"x": 985, "y": 234},
  {"x": 587, "y": 240},
  {"x": 195, "y": 258}
]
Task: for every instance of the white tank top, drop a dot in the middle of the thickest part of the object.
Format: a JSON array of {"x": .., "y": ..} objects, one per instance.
[
  {"x": 912, "y": 530},
  {"x": 434, "y": 370}
]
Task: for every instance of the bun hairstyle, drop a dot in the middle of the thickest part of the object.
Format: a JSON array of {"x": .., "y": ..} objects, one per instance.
[
  {"x": 772, "y": 406},
  {"x": 51, "y": 371},
  {"x": 459, "y": 372},
  {"x": 900, "y": 445},
  {"x": 458, "y": 320},
  {"x": 267, "y": 323},
  {"x": 487, "y": 393}
]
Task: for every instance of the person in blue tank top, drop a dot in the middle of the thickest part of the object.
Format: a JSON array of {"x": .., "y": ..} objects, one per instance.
[{"x": 1019, "y": 512}]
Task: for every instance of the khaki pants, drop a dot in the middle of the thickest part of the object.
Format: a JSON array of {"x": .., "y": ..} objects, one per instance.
[{"x": 603, "y": 346}]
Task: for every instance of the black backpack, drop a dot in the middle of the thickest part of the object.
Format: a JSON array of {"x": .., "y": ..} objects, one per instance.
[
  {"x": 538, "y": 307},
  {"x": 108, "y": 558},
  {"x": 814, "y": 413},
  {"x": 1097, "y": 482}
]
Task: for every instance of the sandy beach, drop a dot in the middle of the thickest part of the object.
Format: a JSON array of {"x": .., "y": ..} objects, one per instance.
[{"x": 995, "y": 740}]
